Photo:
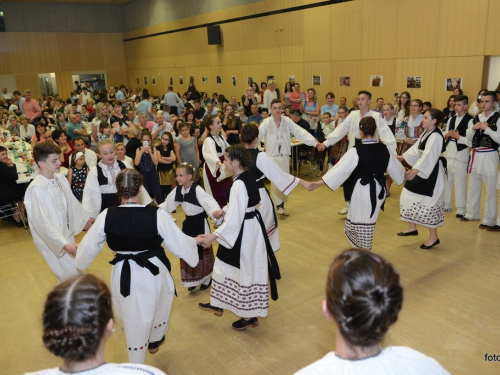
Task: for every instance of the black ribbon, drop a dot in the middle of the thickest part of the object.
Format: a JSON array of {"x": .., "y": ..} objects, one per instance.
[
  {"x": 372, "y": 180},
  {"x": 142, "y": 259},
  {"x": 260, "y": 184},
  {"x": 195, "y": 225}
]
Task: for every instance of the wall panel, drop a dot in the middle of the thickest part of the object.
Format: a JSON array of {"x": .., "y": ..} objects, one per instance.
[
  {"x": 492, "y": 47},
  {"x": 346, "y": 31},
  {"x": 379, "y": 32}
]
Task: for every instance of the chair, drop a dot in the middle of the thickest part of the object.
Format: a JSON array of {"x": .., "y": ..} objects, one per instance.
[
  {"x": 9, "y": 210},
  {"x": 308, "y": 158}
]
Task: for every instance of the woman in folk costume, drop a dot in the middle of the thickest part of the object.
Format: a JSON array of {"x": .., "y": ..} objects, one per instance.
[
  {"x": 411, "y": 128},
  {"x": 213, "y": 150},
  {"x": 263, "y": 166},
  {"x": 196, "y": 203},
  {"x": 367, "y": 162},
  {"x": 245, "y": 259},
  {"x": 422, "y": 199},
  {"x": 100, "y": 188},
  {"x": 141, "y": 284}
]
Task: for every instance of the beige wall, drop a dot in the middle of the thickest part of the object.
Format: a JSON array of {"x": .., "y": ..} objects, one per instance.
[
  {"x": 434, "y": 39},
  {"x": 26, "y": 54}
]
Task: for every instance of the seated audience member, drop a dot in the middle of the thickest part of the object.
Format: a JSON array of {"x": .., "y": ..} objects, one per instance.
[
  {"x": 241, "y": 116},
  {"x": 77, "y": 321},
  {"x": 26, "y": 130},
  {"x": 264, "y": 112},
  {"x": 9, "y": 189},
  {"x": 40, "y": 130},
  {"x": 255, "y": 116},
  {"x": 364, "y": 297},
  {"x": 60, "y": 139},
  {"x": 426, "y": 107}
]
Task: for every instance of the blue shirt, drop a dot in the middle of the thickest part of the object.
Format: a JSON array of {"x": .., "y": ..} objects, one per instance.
[
  {"x": 332, "y": 110},
  {"x": 257, "y": 118},
  {"x": 21, "y": 104},
  {"x": 143, "y": 106},
  {"x": 70, "y": 129},
  {"x": 121, "y": 96}
]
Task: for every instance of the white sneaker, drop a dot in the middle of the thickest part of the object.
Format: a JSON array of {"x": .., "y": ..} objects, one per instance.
[
  {"x": 344, "y": 211},
  {"x": 282, "y": 211}
]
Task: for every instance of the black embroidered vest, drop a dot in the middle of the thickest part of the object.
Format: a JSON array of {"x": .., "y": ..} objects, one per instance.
[
  {"x": 190, "y": 197},
  {"x": 103, "y": 180},
  {"x": 256, "y": 172},
  {"x": 480, "y": 139},
  {"x": 461, "y": 128}
]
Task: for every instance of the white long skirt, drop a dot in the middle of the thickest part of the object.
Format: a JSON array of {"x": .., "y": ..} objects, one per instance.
[
  {"x": 244, "y": 291},
  {"x": 424, "y": 210},
  {"x": 359, "y": 226},
  {"x": 145, "y": 313}
]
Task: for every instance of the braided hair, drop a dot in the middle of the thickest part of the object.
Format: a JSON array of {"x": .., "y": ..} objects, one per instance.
[
  {"x": 240, "y": 153},
  {"x": 128, "y": 183},
  {"x": 364, "y": 296},
  {"x": 75, "y": 317}
]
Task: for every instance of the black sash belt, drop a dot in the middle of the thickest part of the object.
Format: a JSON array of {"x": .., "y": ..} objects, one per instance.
[
  {"x": 424, "y": 186},
  {"x": 272, "y": 263},
  {"x": 260, "y": 184},
  {"x": 195, "y": 225},
  {"x": 142, "y": 259},
  {"x": 372, "y": 180}
]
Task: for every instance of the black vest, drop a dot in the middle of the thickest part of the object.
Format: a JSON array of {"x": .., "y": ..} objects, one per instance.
[
  {"x": 141, "y": 221},
  {"x": 373, "y": 162},
  {"x": 461, "y": 128},
  {"x": 103, "y": 180},
  {"x": 190, "y": 197},
  {"x": 256, "y": 172},
  {"x": 217, "y": 147},
  {"x": 480, "y": 139},
  {"x": 251, "y": 186}
]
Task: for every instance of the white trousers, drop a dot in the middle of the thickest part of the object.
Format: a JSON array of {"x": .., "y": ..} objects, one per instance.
[
  {"x": 457, "y": 178},
  {"x": 284, "y": 164},
  {"x": 474, "y": 198}
]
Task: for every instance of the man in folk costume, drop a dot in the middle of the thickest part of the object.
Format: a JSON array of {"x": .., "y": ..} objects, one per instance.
[
  {"x": 457, "y": 154},
  {"x": 275, "y": 131},
  {"x": 483, "y": 163},
  {"x": 350, "y": 127}
]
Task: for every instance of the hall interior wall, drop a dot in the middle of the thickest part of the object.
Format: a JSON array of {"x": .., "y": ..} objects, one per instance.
[{"x": 434, "y": 39}]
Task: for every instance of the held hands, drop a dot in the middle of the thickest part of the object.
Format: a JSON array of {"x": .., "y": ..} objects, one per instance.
[
  {"x": 321, "y": 146},
  {"x": 71, "y": 248},
  {"x": 206, "y": 239},
  {"x": 218, "y": 214},
  {"x": 400, "y": 158},
  {"x": 316, "y": 184},
  {"x": 410, "y": 175}
]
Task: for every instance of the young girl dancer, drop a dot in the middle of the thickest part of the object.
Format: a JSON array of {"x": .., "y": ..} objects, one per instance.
[
  {"x": 187, "y": 149},
  {"x": 142, "y": 287},
  {"x": 146, "y": 159},
  {"x": 213, "y": 150},
  {"x": 367, "y": 162},
  {"x": 263, "y": 166},
  {"x": 77, "y": 174},
  {"x": 196, "y": 203},
  {"x": 100, "y": 189},
  {"x": 240, "y": 276}
]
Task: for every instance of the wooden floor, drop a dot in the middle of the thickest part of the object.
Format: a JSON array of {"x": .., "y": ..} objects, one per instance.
[{"x": 450, "y": 312}]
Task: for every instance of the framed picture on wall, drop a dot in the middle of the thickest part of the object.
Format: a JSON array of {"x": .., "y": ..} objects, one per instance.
[
  {"x": 138, "y": 81},
  {"x": 153, "y": 80},
  {"x": 171, "y": 81},
  {"x": 145, "y": 80},
  {"x": 181, "y": 81},
  {"x": 233, "y": 80},
  {"x": 316, "y": 80},
  {"x": 414, "y": 82},
  {"x": 204, "y": 80},
  {"x": 191, "y": 79},
  {"x": 345, "y": 81},
  {"x": 453, "y": 83},
  {"x": 377, "y": 81},
  {"x": 250, "y": 81},
  {"x": 218, "y": 79}
]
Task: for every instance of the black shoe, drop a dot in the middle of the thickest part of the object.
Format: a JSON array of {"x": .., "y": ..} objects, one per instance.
[
  {"x": 242, "y": 324},
  {"x": 191, "y": 288},
  {"x": 494, "y": 228},
  {"x": 19, "y": 223},
  {"x": 425, "y": 247},
  {"x": 484, "y": 226},
  {"x": 208, "y": 307},
  {"x": 464, "y": 219},
  {"x": 153, "y": 347},
  {"x": 205, "y": 287},
  {"x": 459, "y": 216},
  {"x": 405, "y": 234}
]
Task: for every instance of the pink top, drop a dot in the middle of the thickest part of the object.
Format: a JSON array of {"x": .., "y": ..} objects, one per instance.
[
  {"x": 294, "y": 96},
  {"x": 150, "y": 124},
  {"x": 31, "y": 109}
]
